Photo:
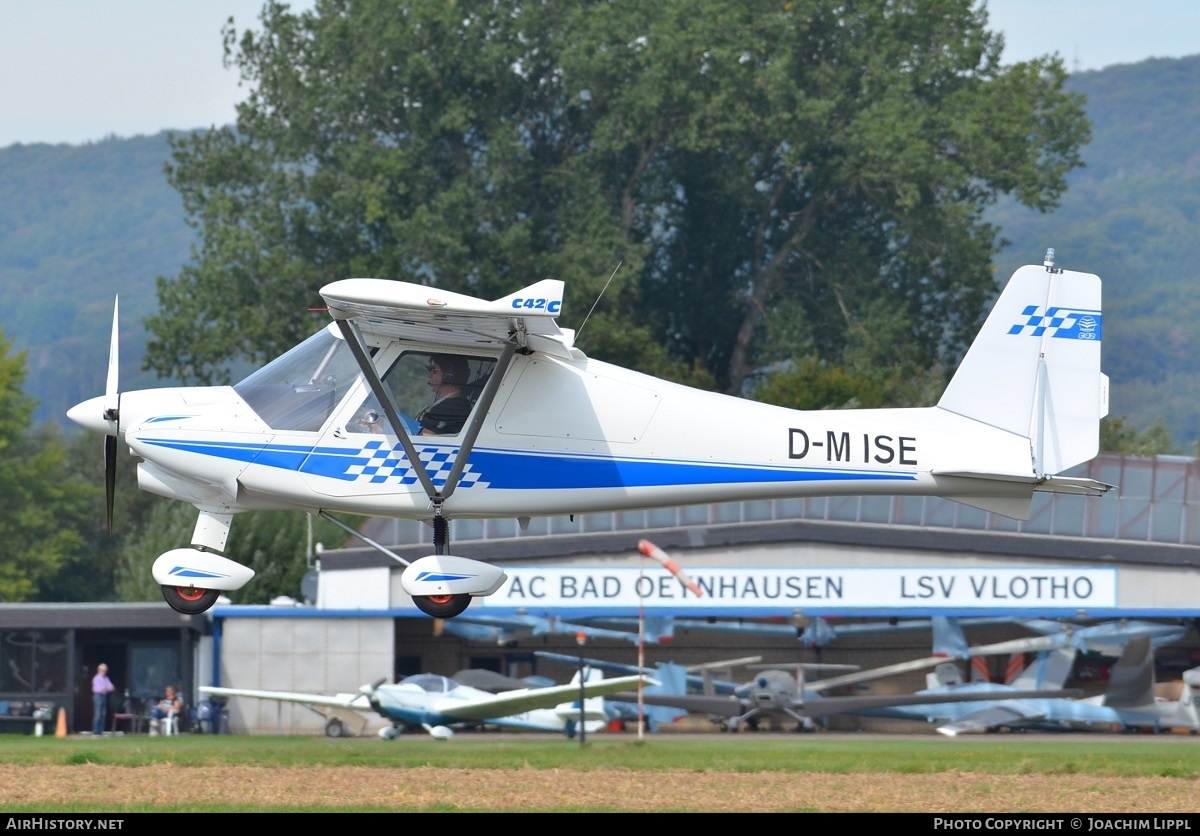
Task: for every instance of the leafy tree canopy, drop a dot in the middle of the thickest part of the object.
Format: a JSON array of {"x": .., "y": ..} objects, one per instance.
[
  {"x": 43, "y": 509},
  {"x": 815, "y": 160}
]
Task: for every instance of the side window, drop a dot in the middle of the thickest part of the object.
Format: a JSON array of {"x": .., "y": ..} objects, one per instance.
[{"x": 435, "y": 392}]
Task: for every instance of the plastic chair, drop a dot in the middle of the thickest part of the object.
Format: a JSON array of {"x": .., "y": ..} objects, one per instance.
[{"x": 169, "y": 724}]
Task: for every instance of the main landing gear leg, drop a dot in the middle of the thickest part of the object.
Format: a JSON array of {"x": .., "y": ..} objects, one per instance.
[
  {"x": 193, "y": 579},
  {"x": 441, "y": 585},
  {"x": 442, "y": 605}
]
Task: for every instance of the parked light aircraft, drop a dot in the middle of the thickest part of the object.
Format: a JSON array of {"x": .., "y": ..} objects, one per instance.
[
  {"x": 671, "y": 679},
  {"x": 1107, "y": 638},
  {"x": 437, "y": 703},
  {"x": 777, "y": 694},
  {"x": 699, "y": 677},
  {"x": 546, "y": 430},
  {"x": 1049, "y": 669},
  {"x": 1132, "y": 700}
]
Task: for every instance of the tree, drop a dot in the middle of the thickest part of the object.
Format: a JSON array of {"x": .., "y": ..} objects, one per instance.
[
  {"x": 760, "y": 171},
  {"x": 44, "y": 510},
  {"x": 1118, "y": 436},
  {"x": 272, "y": 543}
]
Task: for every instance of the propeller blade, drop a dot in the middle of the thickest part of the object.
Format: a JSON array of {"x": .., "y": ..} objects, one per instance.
[
  {"x": 110, "y": 476},
  {"x": 112, "y": 412},
  {"x": 112, "y": 401}
]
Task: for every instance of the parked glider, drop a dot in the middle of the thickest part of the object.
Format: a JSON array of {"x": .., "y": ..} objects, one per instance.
[
  {"x": 438, "y": 704},
  {"x": 1132, "y": 700},
  {"x": 537, "y": 428},
  {"x": 778, "y": 694}
]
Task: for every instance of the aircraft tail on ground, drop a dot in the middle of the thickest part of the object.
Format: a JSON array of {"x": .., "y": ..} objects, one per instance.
[
  {"x": 1034, "y": 370},
  {"x": 948, "y": 637},
  {"x": 1131, "y": 680},
  {"x": 594, "y": 713}
]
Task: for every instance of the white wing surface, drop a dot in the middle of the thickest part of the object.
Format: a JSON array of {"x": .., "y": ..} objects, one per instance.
[
  {"x": 527, "y": 699},
  {"x": 406, "y": 311}
]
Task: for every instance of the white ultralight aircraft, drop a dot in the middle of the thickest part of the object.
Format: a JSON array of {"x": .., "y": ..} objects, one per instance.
[
  {"x": 541, "y": 429},
  {"x": 439, "y": 704}
]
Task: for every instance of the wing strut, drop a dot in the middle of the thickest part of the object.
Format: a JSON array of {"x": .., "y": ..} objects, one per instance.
[
  {"x": 381, "y": 393},
  {"x": 441, "y": 528}
]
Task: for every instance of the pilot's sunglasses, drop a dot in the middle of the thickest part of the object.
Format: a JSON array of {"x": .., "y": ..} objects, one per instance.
[{"x": 432, "y": 369}]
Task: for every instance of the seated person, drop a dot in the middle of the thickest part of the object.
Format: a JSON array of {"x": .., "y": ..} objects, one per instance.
[
  {"x": 448, "y": 375},
  {"x": 169, "y": 705}
]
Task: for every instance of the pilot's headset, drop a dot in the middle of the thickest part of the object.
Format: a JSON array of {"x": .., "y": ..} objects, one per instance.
[{"x": 455, "y": 369}]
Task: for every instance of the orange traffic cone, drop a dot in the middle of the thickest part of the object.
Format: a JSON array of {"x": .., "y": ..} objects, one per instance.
[{"x": 61, "y": 729}]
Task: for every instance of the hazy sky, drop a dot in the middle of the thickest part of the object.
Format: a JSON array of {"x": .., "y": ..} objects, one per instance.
[{"x": 76, "y": 71}]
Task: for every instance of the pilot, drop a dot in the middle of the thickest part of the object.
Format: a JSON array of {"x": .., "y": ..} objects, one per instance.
[{"x": 448, "y": 375}]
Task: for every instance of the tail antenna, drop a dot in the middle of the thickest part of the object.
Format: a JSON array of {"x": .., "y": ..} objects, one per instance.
[{"x": 579, "y": 330}]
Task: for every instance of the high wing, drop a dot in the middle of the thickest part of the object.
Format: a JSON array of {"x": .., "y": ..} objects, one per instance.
[
  {"x": 527, "y": 699},
  {"x": 697, "y": 676},
  {"x": 829, "y": 706},
  {"x": 400, "y": 310}
]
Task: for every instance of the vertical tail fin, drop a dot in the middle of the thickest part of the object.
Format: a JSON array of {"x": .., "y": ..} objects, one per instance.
[
  {"x": 1131, "y": 680},
  {"x": 660, "y": 629},
  {"x": 948, "y": 638},
  {"x": 1034, "y": 369}
]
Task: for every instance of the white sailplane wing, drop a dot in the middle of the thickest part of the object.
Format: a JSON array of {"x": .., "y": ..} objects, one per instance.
[{"x": 527, "y": 699}]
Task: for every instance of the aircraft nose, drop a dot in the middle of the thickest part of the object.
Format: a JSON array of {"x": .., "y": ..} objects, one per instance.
[{"x": 90, "y": 415}]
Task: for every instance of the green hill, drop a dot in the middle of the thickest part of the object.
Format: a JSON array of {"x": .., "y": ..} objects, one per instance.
[
  {"x": 80, "y": 224},
  {"x": 1133, "y": 217}
]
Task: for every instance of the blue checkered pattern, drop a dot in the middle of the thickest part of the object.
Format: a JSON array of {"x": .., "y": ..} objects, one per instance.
[
  {"x": 1058, "y": 322},
  {"x": 379, "y": 464}
]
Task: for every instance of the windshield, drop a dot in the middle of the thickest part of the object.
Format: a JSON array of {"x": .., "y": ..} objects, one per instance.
[{"x": 299, "y": 390}]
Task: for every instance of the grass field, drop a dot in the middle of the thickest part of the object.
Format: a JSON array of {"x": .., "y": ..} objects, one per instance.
[{"x": 611, "y": 772}]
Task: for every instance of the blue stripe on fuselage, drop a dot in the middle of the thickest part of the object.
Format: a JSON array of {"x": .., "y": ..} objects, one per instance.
[{"x": 513, "y": 470}]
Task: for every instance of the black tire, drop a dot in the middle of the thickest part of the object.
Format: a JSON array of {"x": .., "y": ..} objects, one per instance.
[
  {"x": 335, "y": 728},
  {"x": 442, "y": 606},
  {"x": 190, "y": 600}
]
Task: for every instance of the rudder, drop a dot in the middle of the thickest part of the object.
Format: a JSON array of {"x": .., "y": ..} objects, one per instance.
[{"x": 1034, "y": 369}]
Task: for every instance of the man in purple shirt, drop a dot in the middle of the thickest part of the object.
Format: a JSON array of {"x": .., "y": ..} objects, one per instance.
[{"x": 101, "y": 687}]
